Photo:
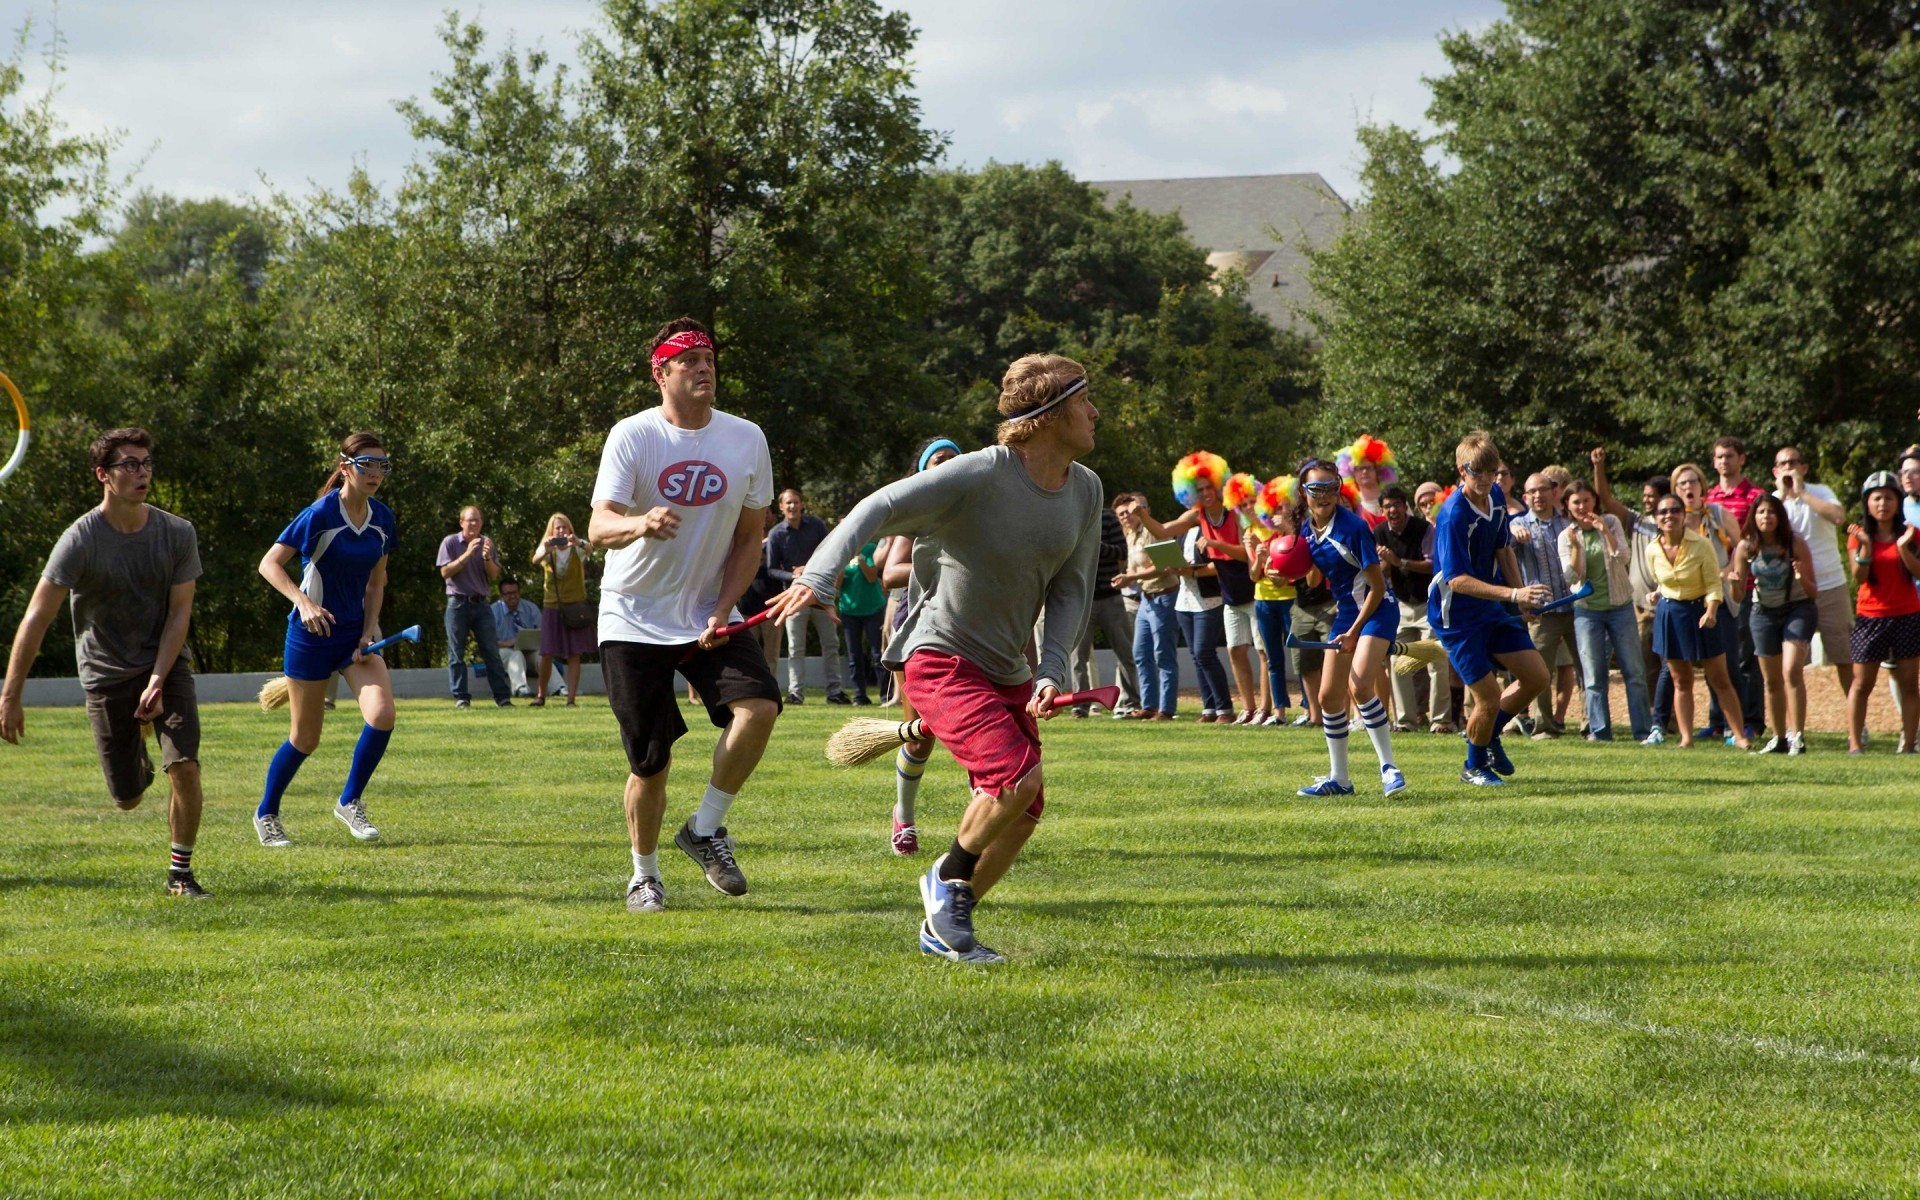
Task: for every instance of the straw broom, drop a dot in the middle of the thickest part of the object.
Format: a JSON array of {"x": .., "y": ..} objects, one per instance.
[{"x": 864, "y": 739}]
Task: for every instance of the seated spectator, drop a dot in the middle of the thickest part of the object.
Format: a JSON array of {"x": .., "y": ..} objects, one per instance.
[
  {"x": 1593, "y": 548},
  {"x": 1784, "y": 617},
  {"x": 1885, "y": 558},
  {"x": 569, "y": 626},
  {"x": 511, "y": 615}
]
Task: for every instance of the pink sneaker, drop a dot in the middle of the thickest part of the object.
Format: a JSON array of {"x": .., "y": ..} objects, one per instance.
[{"x": 906, "y": 839}]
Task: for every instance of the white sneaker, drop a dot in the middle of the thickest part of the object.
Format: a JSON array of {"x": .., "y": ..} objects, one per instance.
[
  {"x": 1796, "y": 743},
  {"x": 271, "y": 834},
  {"x": 353, "y": 814},
  {"x": 1655, "y": 737}
]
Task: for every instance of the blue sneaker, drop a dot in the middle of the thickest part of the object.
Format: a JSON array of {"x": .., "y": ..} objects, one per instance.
[
  {"x": 1326, "y": 786},
  {"x": 930, "y": 943},
  {"x": 1498, "y": 760},
  {"x": 1391, "y": 780},
  {"x": 949, "y": 907},
  {"x": 1481, "y": 777}
]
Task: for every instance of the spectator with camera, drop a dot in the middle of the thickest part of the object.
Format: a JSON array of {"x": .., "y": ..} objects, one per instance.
[{"x": 569, "y": 626}]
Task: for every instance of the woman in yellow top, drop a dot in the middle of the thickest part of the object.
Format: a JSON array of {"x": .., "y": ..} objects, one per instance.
[
  {"x": 568, "y": 628},
  {"x": 1686, "y": 619},
  {"x": 1272, "y": 603}
]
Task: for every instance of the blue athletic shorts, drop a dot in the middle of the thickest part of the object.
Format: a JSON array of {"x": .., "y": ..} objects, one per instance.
[
  {"x": 309, "y": 657},
  {"x": 1473, "y": 650},
  {"x": 1385, "y": 622}
]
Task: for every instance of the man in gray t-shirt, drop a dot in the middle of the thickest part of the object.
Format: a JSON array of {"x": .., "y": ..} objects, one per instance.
[
  {"x": 1001, "y": 537},
  {"x": 130, "y": 570}
]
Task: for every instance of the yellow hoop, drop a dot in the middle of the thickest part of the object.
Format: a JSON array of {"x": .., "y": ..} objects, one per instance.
[{"x": 26, "y": 429}]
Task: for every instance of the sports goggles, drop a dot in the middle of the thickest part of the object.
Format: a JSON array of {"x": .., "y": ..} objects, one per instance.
[
  {"x": 1322, "y": 487},
  {"x": 379, "y": 464}
]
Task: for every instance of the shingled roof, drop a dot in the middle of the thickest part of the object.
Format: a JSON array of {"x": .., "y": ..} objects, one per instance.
[{"x": 1254, "y": 223}]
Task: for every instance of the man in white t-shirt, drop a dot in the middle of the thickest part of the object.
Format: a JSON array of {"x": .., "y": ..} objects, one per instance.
[
  {"x": 1816, "y": 515},
  {"x": 680, "y": 502}
]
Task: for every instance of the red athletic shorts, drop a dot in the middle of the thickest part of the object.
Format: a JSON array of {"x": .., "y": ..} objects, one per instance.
[{"x": 985, "y": 726}]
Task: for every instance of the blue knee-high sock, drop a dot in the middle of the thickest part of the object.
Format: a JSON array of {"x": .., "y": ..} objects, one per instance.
[
  {"x": 280, "y": 772},
  {"x": 366, "y": 756},
  {"x": 1501, "y": 719}
]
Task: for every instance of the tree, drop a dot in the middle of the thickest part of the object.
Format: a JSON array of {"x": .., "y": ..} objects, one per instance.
[{"x": 1662, "y": 222}]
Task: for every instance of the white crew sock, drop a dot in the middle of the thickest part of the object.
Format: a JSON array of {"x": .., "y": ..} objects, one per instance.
[
  {"x": 1334, "y": 725},
  {"x": 1373, "y": 715},
  {"x": 906, "y": 773},
  {"x": 712, "y": 813},
  {"x": 645, "y": 866}
]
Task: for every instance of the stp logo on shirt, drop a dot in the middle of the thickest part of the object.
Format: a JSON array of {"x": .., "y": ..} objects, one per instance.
[{"x": 691, "y": 483}]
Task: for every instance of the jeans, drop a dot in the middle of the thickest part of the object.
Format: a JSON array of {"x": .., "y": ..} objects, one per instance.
[
  {"x": 1155, "y": 659},
  {"x": 1206, "y": 632},
  {"x": 1110, "y": 615},
  {"x": 797, "y": 648},
  {"x": 1743, "y": 669},
  {"x": 863, "y": 650},
  {"x": 474, "y": 617},
  {"x": 1595, "y": 631},
  {"x": 1272, "y": 618}
]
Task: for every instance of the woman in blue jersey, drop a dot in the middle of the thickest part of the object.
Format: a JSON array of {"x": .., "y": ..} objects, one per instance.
[
  {"x": 1366, "y": 619},
  {"x": 343, "y": 540}
]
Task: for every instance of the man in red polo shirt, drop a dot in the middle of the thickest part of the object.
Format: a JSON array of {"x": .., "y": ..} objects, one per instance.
[{"x": 1737, "y": 494}]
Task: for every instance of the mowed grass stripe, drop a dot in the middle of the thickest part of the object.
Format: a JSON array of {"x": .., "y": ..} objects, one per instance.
[{"x": 1635, "y": 972}]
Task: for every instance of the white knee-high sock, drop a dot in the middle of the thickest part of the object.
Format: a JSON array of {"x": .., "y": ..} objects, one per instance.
[
  {"x": 1373, "y": 715},
  {"x": 712, "y": 813},
  {"x": 906, "y": 773},
  {"x": 1334, "y": 725}
]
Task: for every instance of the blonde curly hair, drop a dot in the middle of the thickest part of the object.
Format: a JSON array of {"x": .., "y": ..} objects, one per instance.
[{"x": 1031, "y": 381}]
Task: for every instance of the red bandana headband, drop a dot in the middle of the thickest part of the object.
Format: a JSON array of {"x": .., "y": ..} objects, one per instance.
[{"x": 680, "y": 343}]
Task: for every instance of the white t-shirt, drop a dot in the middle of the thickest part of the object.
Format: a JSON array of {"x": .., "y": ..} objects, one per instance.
[
  {"x": 1190, "y": 599},
  {"x": 661, "y": 591},
  {"x": 1818, "y": 533}
]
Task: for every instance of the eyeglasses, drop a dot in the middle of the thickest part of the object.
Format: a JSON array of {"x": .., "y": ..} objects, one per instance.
[
  {"x": 378, "y": 465},
  {"x": 132, "y": 466},
  {"x": 1790, "y": 462}
]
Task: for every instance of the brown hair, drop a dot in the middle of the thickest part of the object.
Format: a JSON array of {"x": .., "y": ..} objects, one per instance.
[
  {"x": 1782, "y": 530},
  {"x": 1477, "y": 450},
  {"x": 353, "y": 445},
  {"x": 1031, "y": 381},
  {"x": 101, "y": 452},
  {"x": 1731, "y": 443}
]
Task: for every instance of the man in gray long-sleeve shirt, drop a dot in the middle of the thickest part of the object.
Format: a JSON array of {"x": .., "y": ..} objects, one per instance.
[{"x": 1002, "y": 535}]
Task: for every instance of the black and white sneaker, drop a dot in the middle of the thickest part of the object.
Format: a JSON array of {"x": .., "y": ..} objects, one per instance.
[
  {"x": 646, "y": 896},
  {"x": 948, "y": 904},
  {"x": 715, "y": 856},
  {"x": 796, "y": 698},
  {"x": 182, "y": 883}
]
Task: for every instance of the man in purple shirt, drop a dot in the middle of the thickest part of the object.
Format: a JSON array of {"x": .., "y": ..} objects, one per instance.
[{"x": 469, "y": 564}]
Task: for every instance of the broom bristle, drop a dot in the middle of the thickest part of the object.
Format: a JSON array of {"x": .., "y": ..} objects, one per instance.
[
  {"x": 273, "y": 693},
  {"x": 864, "y": 739},
  {"x": 1411, "y": 658}
]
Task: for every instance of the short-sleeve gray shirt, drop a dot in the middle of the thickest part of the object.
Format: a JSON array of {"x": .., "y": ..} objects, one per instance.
[{"x": 120, "y": 583}]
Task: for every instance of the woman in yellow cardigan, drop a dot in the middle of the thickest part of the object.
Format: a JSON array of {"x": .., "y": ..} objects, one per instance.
[
  {"x": 1686, "y": 620},
  {"x": 562, "y": 558}
]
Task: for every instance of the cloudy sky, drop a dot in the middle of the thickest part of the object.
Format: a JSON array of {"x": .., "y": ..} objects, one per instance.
[{"x": 214, "y": 95}]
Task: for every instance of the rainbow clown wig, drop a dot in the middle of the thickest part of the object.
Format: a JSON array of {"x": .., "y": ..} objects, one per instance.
[
  {"x": 1368, "y": 449},
  {"x": 1275, "y": 496},
  {"x": 1240, "y": 490},
  {"x": 1192, "y": 471}
]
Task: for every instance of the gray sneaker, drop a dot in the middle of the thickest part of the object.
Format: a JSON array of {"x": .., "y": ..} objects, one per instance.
[
  {"x": 270, "y": 831},
  {"x": 353, "y": 814},
  {"x": 715, "y": 856},
  {"x": 647, "y": 896}
]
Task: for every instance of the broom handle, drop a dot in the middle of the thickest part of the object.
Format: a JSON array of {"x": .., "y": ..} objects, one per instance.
[
  {"x": 730, "y": 630},
  {"x": 916, "y": 729},
  {"x": 382, "y": 644}
]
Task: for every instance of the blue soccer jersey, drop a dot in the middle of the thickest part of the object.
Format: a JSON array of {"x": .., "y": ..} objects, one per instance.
[
  {"x": 337, "y": 556},
  {"x": 1343, "y": 552},
  {"x": 1465, "y": 540}
]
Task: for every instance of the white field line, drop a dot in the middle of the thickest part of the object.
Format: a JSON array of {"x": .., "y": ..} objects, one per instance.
[{"x": 1480, "y": 999}]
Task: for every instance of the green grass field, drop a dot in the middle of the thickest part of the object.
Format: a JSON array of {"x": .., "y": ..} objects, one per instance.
[{"x": 1639, "y": 972}]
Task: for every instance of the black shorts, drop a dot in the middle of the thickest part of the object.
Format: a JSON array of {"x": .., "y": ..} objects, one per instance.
[
  {"x": 123, "y": 749},
  {"x": 644, "y": 699}
]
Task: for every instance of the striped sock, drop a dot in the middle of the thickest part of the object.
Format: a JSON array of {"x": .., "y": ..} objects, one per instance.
[
  {"x": 906, "y": 784},
  {"x": 1335, "y": 727},
  {"x": 1373, "y": 715},
  {"x": 182, "y": 859}
]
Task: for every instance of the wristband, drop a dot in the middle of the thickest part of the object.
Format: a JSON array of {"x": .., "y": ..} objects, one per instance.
[{"x": 1513, "y": 596}]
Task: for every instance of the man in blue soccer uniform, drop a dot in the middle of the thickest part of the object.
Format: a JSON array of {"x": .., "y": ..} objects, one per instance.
[{"x": 1472, "y": 559}]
